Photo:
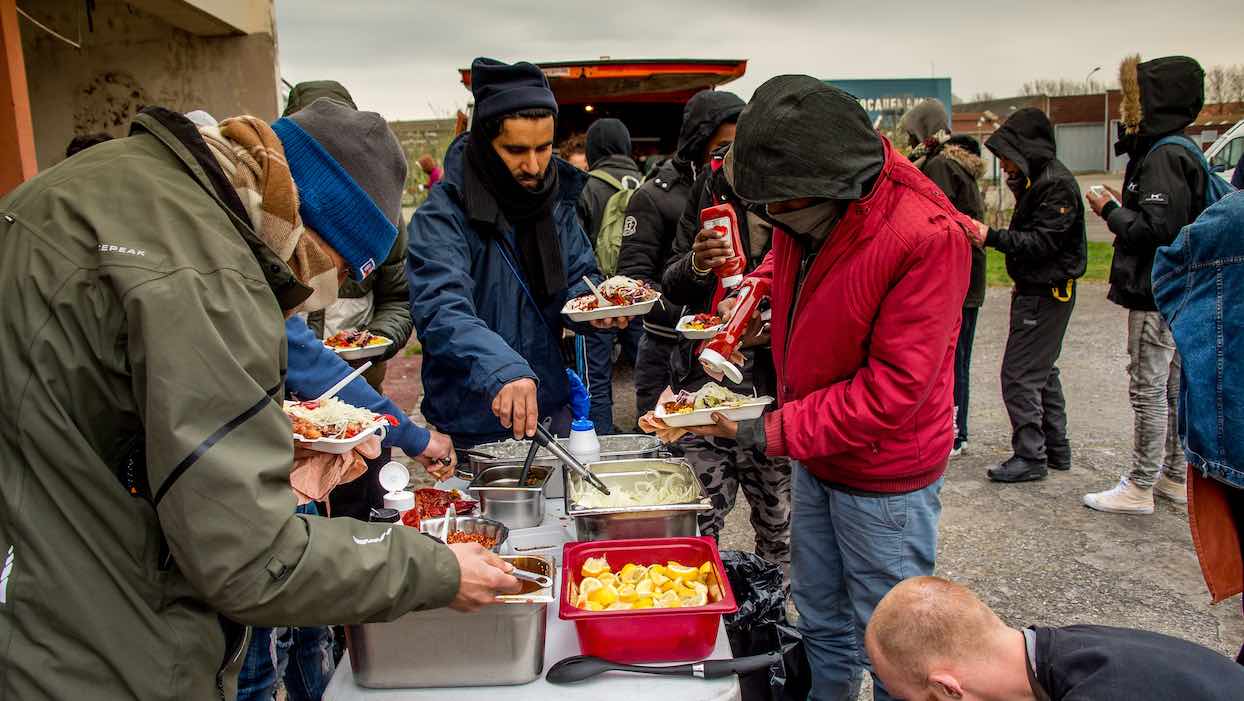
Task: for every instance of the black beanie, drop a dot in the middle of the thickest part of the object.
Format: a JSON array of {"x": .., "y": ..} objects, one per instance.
[
  {"x": 501, "y": 88},
  {"x": 607, "y": 137}
]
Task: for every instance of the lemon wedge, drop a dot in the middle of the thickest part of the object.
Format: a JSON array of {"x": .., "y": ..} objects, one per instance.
[
  {"x": 668, "y": 600},
  {"x": 594, "y": 567},
  {"x": 619, "y": 606},
  {"x": 681, "y": 572},
  {"x": 627, "y": 593},
  {"x": 604, "y": 596},
  {"x": 645, "y": 587},
  {"x": 643, "y": 602},
  {"x": 593, "y": 606}
]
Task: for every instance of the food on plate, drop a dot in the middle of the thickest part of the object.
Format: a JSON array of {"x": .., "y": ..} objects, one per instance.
[
  {"x": 703, "y": 322},
  {"x": 347, "y": 339},
  {"x": 619, "y": 290},
  {"x": 710, "y": 396},
  {"x": 485, "y": 542},
  {"x": 433, "y": 503},
  {"x": 668, "y": 488},
  {"x": 672, "y": 585},
  {"x": 329, "y": 418}
]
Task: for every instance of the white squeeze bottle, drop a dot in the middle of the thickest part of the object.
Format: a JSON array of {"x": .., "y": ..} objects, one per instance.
[
  {"x": 583, "y": 443},
  {"x": 395, "y": 478}
]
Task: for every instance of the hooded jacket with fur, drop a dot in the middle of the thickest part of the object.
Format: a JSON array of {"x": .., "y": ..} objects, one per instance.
[{"x": 1163, "y": 190}]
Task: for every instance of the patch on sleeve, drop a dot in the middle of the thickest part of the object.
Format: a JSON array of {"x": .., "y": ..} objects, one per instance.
[
  {"x": 1161, "y": 198},
  {"x": 629, "y": 225}
]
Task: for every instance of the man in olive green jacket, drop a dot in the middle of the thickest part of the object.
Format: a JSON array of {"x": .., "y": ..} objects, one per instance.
[{"x": 144, "y": 456}]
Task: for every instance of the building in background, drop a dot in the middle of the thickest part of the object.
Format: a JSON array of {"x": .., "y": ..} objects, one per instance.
[
  {"x": 886, "y": 99},
  {"x": 83, "y": 66}
]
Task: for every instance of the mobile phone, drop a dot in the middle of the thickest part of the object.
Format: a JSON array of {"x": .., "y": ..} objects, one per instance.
[{"x": 1100, "y": 190}]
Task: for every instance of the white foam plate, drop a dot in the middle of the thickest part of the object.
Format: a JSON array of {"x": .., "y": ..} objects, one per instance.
[
  {"x": 341, "y": 446},
  {"x": 696, "y": 334},
  {"x": 610, "y": 312},
  {"x": 361, "y": 353},
  {"x": 752, "y": 409}
]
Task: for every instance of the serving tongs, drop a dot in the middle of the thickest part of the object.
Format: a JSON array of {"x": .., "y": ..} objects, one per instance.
[
  {"x": 450, "y": 523},
  {"x": 539, "y": 580},
  {"x": 548, "y": 440},
  {"x": 531, "y": 455}
]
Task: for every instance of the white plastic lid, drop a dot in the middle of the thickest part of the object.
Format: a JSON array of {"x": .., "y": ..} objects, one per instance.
[
  {"x": 714, "y": 360},
  {"x": 732, "y": 280},
  {"x": 394, "y": 477},
  {"x": 403, "y": 501}
]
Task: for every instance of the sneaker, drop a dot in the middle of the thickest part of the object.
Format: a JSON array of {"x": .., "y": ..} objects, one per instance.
[
  {"x": 1123, "y": 498},
  {"x": 1017, "y": 469},
  {"x": 1168, "y": 488},
  {"x": 961, "y": 447},
  {"x": 1060, "y": 464}
]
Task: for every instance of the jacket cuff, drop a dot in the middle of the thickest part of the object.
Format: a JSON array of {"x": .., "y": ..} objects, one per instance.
[
  {"x": 775, "y": 443},
  {"x": 410, "y": 437},
  {"x": 507, "y": 374},
  {"x": 751, "y": 435},
  {"x": 1108, "y": 208},
  {"x": 992, "y": 237},
  {"x": 1115, "y": 218},
  {"x": 445, "y": 578}
]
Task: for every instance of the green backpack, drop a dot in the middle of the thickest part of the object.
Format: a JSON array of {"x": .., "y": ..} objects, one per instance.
[{"x": 609, "y": 240}]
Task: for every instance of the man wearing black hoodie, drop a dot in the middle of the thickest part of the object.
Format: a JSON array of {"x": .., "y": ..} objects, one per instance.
[
  {"x": 610, "y": 170},
  {"x": 708, "y": 123},
  {"x": 1045, "y": 252},
  {"x": 1163, "y": 191}
]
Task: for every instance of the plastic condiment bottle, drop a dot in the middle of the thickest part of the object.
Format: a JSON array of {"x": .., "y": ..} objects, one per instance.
[
  {"x": 716, "y": 354},
  {"x": 584, "y": 445},
  {"x": 721, "y": 218},
  {"x": 395, "y": 478}
]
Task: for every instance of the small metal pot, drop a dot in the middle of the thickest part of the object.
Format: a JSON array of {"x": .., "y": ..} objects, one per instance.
[
  {"x": 469, "y": 524},
  {"x": 501, "y": 498}
]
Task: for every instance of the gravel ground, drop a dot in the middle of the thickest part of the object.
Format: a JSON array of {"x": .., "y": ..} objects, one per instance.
[{"x": 1032, "y": 551}]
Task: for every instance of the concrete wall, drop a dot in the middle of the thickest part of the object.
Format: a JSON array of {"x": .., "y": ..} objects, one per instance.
[{"x": 133, "y": 59}]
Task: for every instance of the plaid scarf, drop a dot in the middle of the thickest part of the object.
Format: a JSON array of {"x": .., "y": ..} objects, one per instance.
[{"x": 253, "y": 159}]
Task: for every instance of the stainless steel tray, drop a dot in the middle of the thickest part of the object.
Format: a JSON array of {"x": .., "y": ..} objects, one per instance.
[
  {"x": 497, "y": 645},
  {"x": 623, "y": 446},
  {"x": 502, "y": 499},
  {"x": 626, "y": 522}
]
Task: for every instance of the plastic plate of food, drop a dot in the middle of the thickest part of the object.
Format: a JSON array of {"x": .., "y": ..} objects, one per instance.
[
  {"x": 332, "y": 426},
  {"x": 699, "y": 327},
  {"x": 352, "y": 344},
  {"x": 629, "y": 297},
  {"x": 697, "y": 408}
]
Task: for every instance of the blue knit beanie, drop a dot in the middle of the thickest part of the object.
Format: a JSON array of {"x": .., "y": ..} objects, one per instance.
[
  {"x": 350, "y": 172},
  {"x": 501, "y": 88}
]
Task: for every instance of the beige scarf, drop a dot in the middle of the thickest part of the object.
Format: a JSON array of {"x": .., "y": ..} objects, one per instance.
[{"x": 252, "y": 157}]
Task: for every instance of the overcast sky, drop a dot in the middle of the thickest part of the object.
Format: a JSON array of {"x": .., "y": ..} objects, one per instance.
[{"x": 399, "y": 57}]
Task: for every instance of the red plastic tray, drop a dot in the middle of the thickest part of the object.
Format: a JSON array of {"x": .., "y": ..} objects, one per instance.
[{"x": 646, "y": 635}]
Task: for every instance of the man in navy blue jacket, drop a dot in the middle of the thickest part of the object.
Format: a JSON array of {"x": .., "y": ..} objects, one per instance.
[{"x": 494, "y": 254}]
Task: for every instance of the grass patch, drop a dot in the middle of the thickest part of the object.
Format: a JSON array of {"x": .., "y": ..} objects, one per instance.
[{"x": 1100, "y": 253}]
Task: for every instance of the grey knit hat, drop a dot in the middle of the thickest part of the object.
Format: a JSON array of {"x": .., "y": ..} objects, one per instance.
[{"x": 364, "y": 146}]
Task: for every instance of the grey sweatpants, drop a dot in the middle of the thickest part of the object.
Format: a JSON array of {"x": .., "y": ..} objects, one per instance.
[
  {"x": 1153, "y": 370},
  {"x": 723, "y": 467}
]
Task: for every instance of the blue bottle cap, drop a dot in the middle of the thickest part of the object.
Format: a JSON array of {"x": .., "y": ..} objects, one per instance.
[{"x": 582, "y": 425}]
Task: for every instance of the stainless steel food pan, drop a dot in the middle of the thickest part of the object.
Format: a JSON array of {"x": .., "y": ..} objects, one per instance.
[
  {"x": 637, "y": 521},
  {"x": 501, "y": 498}
]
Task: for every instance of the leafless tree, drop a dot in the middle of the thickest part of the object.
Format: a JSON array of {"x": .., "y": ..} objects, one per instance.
[
  {"x": 1061, "y": 87},
  {"x": 1235, "y": 83},
  {"x": 983, "y": 97},
  {"x": 1216, "y": 86}
]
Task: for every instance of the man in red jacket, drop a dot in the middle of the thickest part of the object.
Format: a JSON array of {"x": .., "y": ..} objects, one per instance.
[{"x": 869, "y": 269}]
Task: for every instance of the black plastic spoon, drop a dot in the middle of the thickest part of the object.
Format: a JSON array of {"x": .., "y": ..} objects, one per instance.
[{"x": 580, "y": 667}]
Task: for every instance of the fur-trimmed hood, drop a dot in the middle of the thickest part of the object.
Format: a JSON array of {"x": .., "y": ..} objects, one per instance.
[
  {"x": 1160, "y": 96},
  {"x": 972, "y": 163}
]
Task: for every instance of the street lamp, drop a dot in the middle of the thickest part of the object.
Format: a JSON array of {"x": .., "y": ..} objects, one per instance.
[{"x": 1087, "y": 78}]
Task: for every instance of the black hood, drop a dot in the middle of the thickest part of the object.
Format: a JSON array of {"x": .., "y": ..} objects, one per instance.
[
  {"x": 704, "y": 112},
  {"x": 800, "y": 137},
  {"x": 305, "y": 93},
  {"x": 1026, "y": 138},
  {"x": 1160, "y": 97},
  {"x": 607, "y": 137}
]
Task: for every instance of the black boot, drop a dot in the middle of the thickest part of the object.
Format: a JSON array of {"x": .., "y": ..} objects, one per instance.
[{"x": 1017, "y": 469}]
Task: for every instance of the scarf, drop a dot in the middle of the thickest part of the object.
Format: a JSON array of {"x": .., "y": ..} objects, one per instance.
[
  {"x": 928, "y": 147},
  {"x": 253, "y": 159},
  {"x": 494, "y": 198}
]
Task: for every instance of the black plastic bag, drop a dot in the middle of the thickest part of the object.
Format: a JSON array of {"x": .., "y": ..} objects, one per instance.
[{"x": 759, "y": 627}]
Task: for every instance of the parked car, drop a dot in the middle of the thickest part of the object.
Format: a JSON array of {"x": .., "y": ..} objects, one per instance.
[{"x": 1224, "y": 154}]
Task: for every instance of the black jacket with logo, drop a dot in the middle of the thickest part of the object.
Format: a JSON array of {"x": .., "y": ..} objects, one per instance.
[
  {"x": 1045, "y": 243},
  {"x": 1163, "y": 191}
]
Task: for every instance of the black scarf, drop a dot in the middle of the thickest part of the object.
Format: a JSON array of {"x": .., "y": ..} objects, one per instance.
[{"x": 494, "y": 198}]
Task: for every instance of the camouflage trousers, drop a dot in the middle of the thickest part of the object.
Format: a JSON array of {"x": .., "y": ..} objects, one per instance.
[{"x": 723, "y": 468}]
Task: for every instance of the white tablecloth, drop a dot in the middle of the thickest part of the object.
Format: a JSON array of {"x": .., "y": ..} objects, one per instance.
[{"x": 560, "y": 642}]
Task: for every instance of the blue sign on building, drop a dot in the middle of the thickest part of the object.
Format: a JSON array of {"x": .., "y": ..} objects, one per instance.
[{"x": 886, "y": 99}]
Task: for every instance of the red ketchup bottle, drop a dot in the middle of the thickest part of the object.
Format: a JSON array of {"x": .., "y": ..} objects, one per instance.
[
  {"x": 721, "y": 218},
  {"x": 716, "y": 354}
]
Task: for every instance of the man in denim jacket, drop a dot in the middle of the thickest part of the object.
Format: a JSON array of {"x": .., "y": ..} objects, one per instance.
[{"x": 1197, "y": 283}]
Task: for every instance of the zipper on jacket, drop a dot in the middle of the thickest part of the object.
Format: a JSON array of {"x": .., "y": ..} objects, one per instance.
[{"x": 805, "y": 264}]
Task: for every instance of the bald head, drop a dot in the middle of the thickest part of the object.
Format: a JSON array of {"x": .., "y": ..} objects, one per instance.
[{"x": 927, "y": 621}]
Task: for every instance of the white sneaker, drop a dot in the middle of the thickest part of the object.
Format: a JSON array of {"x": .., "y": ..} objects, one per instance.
[
  {"x": 959, "y": 449},
  {"x": 1170, "y": 489},
  {"x": 1123, "y": 498}
]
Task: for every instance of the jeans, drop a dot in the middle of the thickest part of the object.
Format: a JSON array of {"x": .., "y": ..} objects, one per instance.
[
  {"x": 963, "y": 375},
  {"x": 1153, "y": 369},
  {"x": 600, "y": 347},
  {"x": 847, "y": 552}
]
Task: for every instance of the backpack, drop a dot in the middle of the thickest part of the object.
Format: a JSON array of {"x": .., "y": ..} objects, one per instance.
[
  {"x": 609, "y": 239},
  {"x": 1216, "y": 187}
]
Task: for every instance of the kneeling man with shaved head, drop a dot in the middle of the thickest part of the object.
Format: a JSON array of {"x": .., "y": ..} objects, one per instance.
[{"x": 930, "y": 638}]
